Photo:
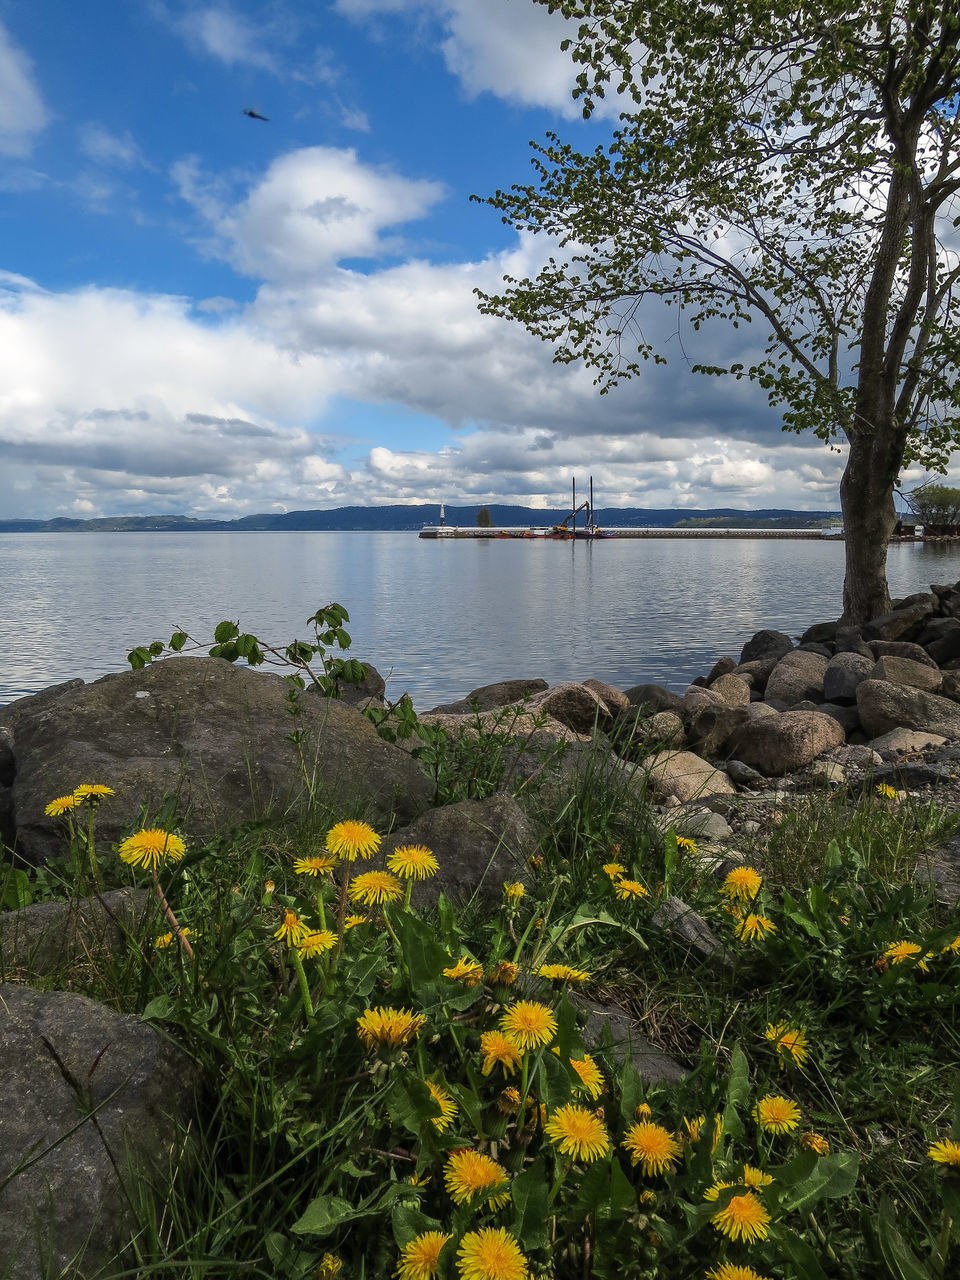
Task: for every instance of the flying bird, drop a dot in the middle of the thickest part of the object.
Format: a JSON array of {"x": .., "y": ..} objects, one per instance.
[{"x": 255, "y": 115}]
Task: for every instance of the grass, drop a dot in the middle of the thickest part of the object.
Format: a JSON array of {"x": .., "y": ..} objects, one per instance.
[{"x": 318, "y": 1153}]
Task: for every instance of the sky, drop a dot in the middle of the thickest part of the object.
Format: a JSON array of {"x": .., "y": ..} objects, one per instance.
[{"x": 207, "y": 314}]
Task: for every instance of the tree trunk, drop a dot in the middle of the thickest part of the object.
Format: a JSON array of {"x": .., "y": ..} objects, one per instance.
[{"x": 869, "y": 517}]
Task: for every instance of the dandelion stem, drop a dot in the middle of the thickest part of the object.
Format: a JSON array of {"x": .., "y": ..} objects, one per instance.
[
  {"x": 304, "y": 987},
  {"x": 181, "y": 936},
  {"x": 92, "y": 853}
]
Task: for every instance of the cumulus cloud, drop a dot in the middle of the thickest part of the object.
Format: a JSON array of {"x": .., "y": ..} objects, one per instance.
[
  {"x": 227, "y": 36},
  {"x": 108, "y": 148},
  {"x": 22, "y": 112}
]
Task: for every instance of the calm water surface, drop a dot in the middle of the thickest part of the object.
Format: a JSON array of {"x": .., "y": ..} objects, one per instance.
[{"x": 437, "y": 617}]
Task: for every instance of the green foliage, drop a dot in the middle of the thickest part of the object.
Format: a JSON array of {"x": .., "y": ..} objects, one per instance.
[
  {"x": 484, "y": 518},
  {"x": 933, "y": 503}
]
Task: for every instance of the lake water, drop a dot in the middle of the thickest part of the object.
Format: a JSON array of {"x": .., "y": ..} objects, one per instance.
[{"x": 437, "y": 617}]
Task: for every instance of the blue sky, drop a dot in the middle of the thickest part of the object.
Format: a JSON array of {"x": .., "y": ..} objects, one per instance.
[{"x": 209, "y": 314}]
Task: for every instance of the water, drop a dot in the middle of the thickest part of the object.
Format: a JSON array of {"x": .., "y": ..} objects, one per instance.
[{"x": 438, "y": 617}]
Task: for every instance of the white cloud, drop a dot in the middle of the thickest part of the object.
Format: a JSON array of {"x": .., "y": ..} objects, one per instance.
[
  {"x": 228, "y": 36},
  {"x": 104, "y": 147},
  {"x": 22, "y": 112}
]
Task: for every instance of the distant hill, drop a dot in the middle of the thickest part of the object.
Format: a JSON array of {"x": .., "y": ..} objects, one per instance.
[{"x": 410, "y": 518}]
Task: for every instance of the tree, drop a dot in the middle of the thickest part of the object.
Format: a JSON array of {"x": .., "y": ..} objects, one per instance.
[
  {"x": 790, "y": 163},
  {"x": 484, "y": 518},
  {"x": 934, "y": 504}
]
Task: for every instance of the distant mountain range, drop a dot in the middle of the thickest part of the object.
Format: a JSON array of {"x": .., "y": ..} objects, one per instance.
[{"x": 404, "y": 518}]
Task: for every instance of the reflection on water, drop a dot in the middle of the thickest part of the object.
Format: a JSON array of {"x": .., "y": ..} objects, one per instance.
[{"x": 440, "y": 617}]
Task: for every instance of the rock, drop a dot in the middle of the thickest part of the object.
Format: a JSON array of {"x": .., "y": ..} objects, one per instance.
[
  {"x": 480, "y": 845},
  {"x": 665, "y": 729},
  {"x": 685, "y": 776},
  {"x": 857, "y": 757},
  {"x": 787, "y": 742},
  {"x": 820, "y": 633},
  {"x": 490, "y": 696},
  {"x": 369, "y": 692},
  {"x": 45, "y": 936},
  {"x": 760, "y": 711},
  {"x": 87, "y": 1091},
  {"x": 709, "y": 729},
  {"x": 824, "y": 650},
  {"x": 732, "y": 689},
  {"x": 903, "y": 623},
  {"x": 941, "y": 640},
  {"x": 757, "y": 672},
  {"x": 843, "y": 673},
  {"x": 905, "y": 671},
  {"x": 901, "y": 649},
  {"x": 828, "y": 771},
  {"x": 630, "y": 730},
  {"x": 722, "y": 667},
  {"x": 950, "y": 685},
  {"x": 614, "y": 699},
  {"x": 743, "y": 775},
  {"x": 765, "y": 644},
  {"x": 696, "y": 696},
  {"x": 680, "y": 922},
  {"x": 212, "y": 735},
  {"x": 574, "y": 705},
  {"x": 797, "y": 676},
  {"x": 654, "y": 697},
  {"x": 913, "y": 773},
  {"x": 941, "y": 869},
  {"x": 703, "y": 824},
  {"x": 905, "y": 742},
  {"x": 847, "y": 717},
  {"x": 609, "y": 1024},
  {"x": 884, "y": 706}
]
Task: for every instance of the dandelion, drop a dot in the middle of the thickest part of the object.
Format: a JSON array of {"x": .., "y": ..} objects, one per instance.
[
  {"x": 330, "y": 1266},
  {"x": 316, "y": 942},
  {"x": 470, "y": 1173},
  {"x": 466, "y": 971},
  {"x": 351, "y": 922},
  {"x": 755, "y": 1179},
  {"x": 509, "y": 1101},
  {"x": 652, "y": 1147},
  {"x": 514, "y": 891},
  {"x": 953, "y": 947},
  {"x": 591, "y": 1079},
  {"x": 695, "y": 1127},
  {"x": 504, "y": 974},
  {"x": 420, "y": 1257},
  {"x": 499, "y": 1050},
  {"x": 713, "y": 1192},
  {"x": 776, "y": 1114},
  {"x": 643, "y": 1111},
  {"x": 614, "y": 869},
  {"x": 900, "y": 952},
  {"x": 293, "y": 930},
  {"x": 317, "y": 865},
  {"x": 742, "y": 882},
  {"x": 684, "y": 842},
  {"x": 92, "y": 792},
  {"x": 413, "y": 862},
  {"x": 946, "y": 1151},
  {"x": 529, "y": 1023},
  {"x": 734, "y": 1271},
  {"x": 792, "y": 1040},
  {"x": 351, "y": 839},
  {"x": 815, "y": 1142},
  {"x": 885, "y": 790},
  {"x": 166, "y": 939},
  {"x": 388, "y": 1027},
  {"x": 743, "y": 1218},
  {"x": 491, "y": 1253},
  {"x": 448, "y": 1108},
  {"x": 371, "y": 887},
  {"x": 625, "y": 888},
  {"x": 150, "y": 847},
  {"x": 578, "y": 1133},
  {"x": 562, "y": 973},
  {"x": 63, "y": 804},
  {"x": 756, "y": 926}
]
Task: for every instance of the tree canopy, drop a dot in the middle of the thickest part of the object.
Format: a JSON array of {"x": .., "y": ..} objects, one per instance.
[{"x": 792, "y": 165}]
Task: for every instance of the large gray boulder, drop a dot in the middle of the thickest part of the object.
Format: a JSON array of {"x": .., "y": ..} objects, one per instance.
[
  {"x": 734, "y": 690},
  {"x": 884, "y": 706},
  {"x": 905, "y": 671},
  {"x": 46, "y": 936},
  {"x": 490, "y": 696},
  {"x": 900, "y": 649},
  {"x": 781, "y": 744},
  {"x": 903, "y": 623},
  {"x": 765, "y": 644},
  {"x": 213, "y": 736},
  {"x": 89, "y": 1095},
  {"x": 797, "y": 677},
  {"x": 685, "y": 776},
  {"x": 574, "y": 705},
  {"x": 843, "y": 673}
]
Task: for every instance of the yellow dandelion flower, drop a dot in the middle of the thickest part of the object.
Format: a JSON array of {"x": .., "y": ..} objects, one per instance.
[
  {"x": 466, "y": 971},
  {"x": 693, "y": 1128},
  {"x": 315, "y": 942},
  {"x": 652, "y": 1147},
  {"x": 885, "y": 790},
  {"x": 351, "y": 922},
  {"x": 625, "y": 888},
  {"x": 756, "y": 926},
  {"x": 684, "y": 842},
  {"x": 93, "y": 792},
  {"x": 643, "y": 1111},
  {"x": 350, "y": 839},
  {"x": 499, "y": 1050},
  {"x": 562, "y": 973},
  {"x": 790, "y": 1040},
  {"x": 614, "y": 869},
  {"x": 151, "y": 847},
  {"x": 578, "y": 1133},
  {"x": 514, "y": 890},
  {"x": 330, "y": 1266},
  {"x": 776, "y": 1114},
  {"x": 713, "y": 1192},
  {"x": 420, "y": 1257},
  {"x": 504, "y": 974},
  {"x": 529, "y": 1023},
  {"x": 953, "y": 946},
  {"x": 62, "y": 804},
  {"x": 293, "y": 930},
  {"x": 448, "y": 1108},
  {"x": 946, "y": 1151},
  {"x": 755, "y": 1179},
  {"x": 812, "y": 1141},
  {"x": 317, "y": 865},
  {"x": 167, "y": 939},
  {"x": 591, "y": 1079},
  {"x": 733, "y": 1271},
  {"x": 413, "y": 862},
  {"x": 470, "y": 1173},
  {"x": 743, "y": 1218},
  {"x": 371, "y": 887},
  {"x": 388, "y": 1027},
  {"x": 509, "y": 1101},
  {"x": 742, "y": 882},
  {"x": 491, "y": 1253},
  {"x": 900, "y": 952}
]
